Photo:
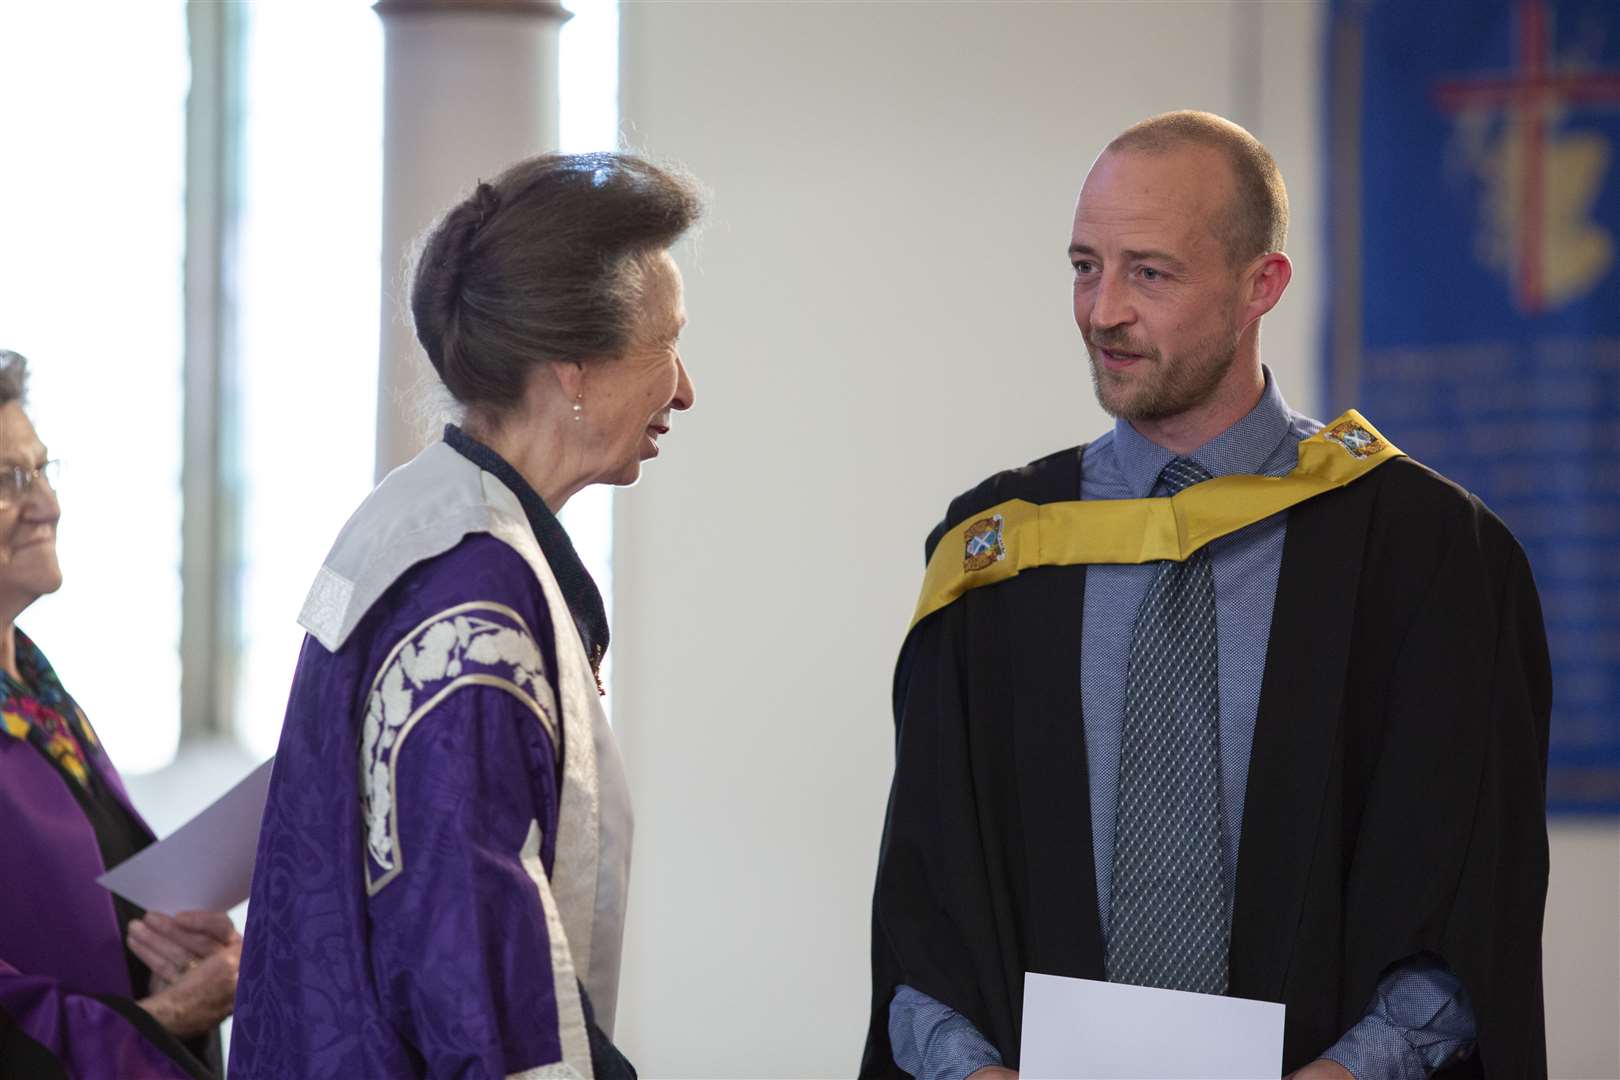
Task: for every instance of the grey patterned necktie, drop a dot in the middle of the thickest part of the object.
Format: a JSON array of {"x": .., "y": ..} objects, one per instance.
[{"x": 1169, "y": 909}]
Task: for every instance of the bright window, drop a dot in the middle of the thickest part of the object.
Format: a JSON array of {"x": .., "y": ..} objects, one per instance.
[
  {"x": 302, "y": 394},
  {"x": 588, "y": 89},
  {"x": 92, "y": 129}
]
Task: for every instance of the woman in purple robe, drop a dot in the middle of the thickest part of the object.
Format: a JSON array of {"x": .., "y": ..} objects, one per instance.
[
  {"x": 90, "y": 986},
  {"x": 441, "y": 873}
]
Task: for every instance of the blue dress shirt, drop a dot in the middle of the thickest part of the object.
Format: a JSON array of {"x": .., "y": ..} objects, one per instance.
[{"x": 1419, "y": 1018}]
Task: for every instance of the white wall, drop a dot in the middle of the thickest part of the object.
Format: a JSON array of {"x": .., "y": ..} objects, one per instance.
[
  {"x": 880, "y": 317},
  {"x": 1581, "y": 951}
]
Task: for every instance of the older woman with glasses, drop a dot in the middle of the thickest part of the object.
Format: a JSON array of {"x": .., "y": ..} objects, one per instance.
[
  {"x": 90, "y": 986},
  {"x": 440, "y": 880}
]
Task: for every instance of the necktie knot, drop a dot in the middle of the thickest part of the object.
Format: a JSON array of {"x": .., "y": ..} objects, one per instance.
[{"x": 1182, "y": 473}]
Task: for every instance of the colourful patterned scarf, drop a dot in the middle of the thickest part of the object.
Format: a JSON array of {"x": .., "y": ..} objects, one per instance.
[{"x": 40, "y": 710}]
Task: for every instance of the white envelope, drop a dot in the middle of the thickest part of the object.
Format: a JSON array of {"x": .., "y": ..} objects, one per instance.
[{"x": 1079, "y": 1029}]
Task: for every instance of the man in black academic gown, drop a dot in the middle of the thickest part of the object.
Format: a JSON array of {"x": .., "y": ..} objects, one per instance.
[{"x": 1224, "y": 701}]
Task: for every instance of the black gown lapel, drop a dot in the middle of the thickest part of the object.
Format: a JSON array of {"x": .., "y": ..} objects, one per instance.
[
  {"x": 1045, "y": 611},
  {"x": 1296, "y": 732},
  {"x": 1063, "y": 933}
]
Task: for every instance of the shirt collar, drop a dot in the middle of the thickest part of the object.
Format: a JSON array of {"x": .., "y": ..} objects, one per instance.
[
  {"x": 1242, "y": 448},
  {"x": 579, "y": 590}
]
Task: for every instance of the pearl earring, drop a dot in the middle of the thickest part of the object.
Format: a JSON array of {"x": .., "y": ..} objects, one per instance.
[{"x": 579, "y": 407}]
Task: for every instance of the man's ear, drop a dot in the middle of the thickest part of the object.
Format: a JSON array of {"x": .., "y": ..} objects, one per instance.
[{"x": 1268, "y": 276}]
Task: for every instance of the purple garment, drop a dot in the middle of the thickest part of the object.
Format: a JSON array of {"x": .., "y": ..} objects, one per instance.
[
  {"x": 61, "y": 950},
  {"x": 54, "y": 919},
  {"x": 86, "y": 1035},
  {"x": 395, "y": 927}
]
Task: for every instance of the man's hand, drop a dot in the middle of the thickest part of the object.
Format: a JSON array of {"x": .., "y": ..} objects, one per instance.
[
  {"x": 1321, "y": 1069},
  {"x": 172, "y": 946},
  {"x": 994, "y": 1072},
  {"x": 204, "y": 994}
]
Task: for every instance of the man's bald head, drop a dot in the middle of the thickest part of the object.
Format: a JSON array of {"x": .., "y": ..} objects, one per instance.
[{"x": 1257, "y": 219}]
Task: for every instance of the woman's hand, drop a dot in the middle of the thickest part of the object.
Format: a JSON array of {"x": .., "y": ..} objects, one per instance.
[
  {"x": 172, "y": 946},
  {"x": 204, "y": 994},
  {"x": 994, "y": 1072}
]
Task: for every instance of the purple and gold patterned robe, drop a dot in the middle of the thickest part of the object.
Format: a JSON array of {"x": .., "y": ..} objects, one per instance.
[{"x": 440, "y": 879}]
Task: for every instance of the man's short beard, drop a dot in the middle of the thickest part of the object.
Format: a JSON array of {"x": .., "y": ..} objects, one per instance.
[{"x": 1159, "y": 391}]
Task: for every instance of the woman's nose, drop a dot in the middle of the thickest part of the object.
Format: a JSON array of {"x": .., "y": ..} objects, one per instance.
[
  {"x": 39, "y": 502},
  {"x": 684, "y": 394}
]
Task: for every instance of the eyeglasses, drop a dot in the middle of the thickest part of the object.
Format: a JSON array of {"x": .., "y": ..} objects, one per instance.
[{"x": 16, "y": 481}]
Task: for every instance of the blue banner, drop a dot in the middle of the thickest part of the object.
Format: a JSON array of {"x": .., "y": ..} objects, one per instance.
[{"x": 1474, "y": 231}]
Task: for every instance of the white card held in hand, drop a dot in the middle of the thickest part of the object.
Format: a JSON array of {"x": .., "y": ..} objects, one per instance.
[
  {"x": 204, "y": 865},
  {"x": 1078, "y": 1029}
]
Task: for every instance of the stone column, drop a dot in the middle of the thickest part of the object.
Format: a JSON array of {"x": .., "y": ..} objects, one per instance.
[{"x": 470, "y": 86}]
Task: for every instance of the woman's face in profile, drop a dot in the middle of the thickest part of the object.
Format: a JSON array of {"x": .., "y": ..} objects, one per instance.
[
  {"x": 629, "y": 399},
  {"x": 28, "y": 566}
]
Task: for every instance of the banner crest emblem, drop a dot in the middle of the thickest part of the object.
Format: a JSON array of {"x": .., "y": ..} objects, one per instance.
[
  {"x": 1357, "y": 441},
  {"x": 984, "y": 546}
]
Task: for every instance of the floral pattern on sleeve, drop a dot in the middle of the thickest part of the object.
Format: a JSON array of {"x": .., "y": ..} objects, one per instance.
[{"x": 479, "y": 643}]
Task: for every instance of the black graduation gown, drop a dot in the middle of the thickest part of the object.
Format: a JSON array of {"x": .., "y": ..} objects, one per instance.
[{"x": 1396, "y": 795}]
